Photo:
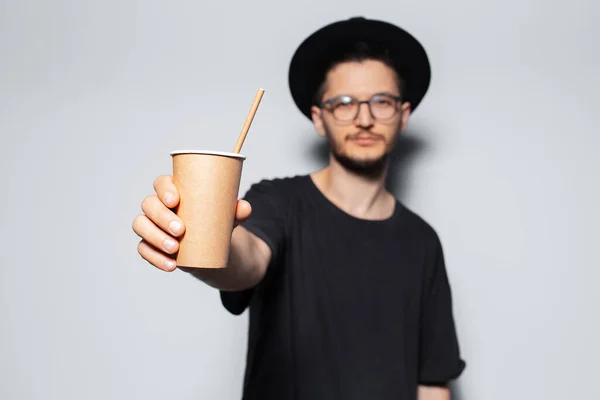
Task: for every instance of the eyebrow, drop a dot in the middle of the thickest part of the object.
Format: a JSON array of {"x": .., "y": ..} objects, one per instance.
[
  {"x": 387, "y": 94},
  {"x": 371, "y": 96}
]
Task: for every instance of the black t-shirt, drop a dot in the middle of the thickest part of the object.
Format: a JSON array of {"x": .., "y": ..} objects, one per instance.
[{"x": 349, "y": 309}]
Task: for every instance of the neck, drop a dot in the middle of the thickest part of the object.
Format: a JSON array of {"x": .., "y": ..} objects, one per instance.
[{"x": 359, "y": 195}]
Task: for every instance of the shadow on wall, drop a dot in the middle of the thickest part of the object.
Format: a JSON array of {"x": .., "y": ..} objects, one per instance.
[
  {"x": 401, "y": 160},
  {"x": 457, "y": 393}
]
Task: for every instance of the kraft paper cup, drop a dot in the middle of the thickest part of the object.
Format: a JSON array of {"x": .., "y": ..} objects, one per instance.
[{"x": 208, "y": 184}]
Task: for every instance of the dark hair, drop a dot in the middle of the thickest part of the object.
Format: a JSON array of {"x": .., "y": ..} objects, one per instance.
[{"x": 358, "y": 53}]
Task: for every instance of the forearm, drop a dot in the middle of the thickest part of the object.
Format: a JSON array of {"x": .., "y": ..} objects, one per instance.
[
  {"x": 248, "y": 258},
  {"x": 433, "y": 393}
]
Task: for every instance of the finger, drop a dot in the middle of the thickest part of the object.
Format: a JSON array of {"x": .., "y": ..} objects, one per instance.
[
  {"x": 155, "y": 257},
  {"x": 162, "y": 216},
  {"x": 166, "y": 191},
  {"x": 242, "y": 211},
  {"x": 155, "y": 236}
]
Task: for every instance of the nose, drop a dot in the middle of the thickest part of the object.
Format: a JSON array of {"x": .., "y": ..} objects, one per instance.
[{"x": 364, "y": 119}]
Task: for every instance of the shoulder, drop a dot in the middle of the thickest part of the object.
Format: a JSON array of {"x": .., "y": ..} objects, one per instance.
[
  {"x": 426, "y": 240},
  {"x": 419, "y": 227},
  {"x": 279, "y": 186}
]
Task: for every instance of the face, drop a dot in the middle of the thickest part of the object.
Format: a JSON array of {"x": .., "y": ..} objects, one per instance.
[{"x": 362, "y": 141}]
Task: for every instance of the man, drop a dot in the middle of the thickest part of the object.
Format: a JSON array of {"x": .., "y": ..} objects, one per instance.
[{"x": 347, "y": 289}]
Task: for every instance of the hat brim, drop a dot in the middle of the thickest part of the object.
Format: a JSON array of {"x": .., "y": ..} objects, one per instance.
[{"x": 315, "y": 54}]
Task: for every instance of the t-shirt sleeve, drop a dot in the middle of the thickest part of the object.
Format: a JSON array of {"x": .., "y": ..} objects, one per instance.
[
  {"x": 268, "y": 222},
  {"x": 439, "y": 354},
  {"x": 268, "y": 218}
]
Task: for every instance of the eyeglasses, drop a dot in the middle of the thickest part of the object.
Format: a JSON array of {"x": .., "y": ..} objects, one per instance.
[{"x": 345, "y": 108}]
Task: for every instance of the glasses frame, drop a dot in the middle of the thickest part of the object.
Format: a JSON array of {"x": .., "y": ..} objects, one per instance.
[{"x": 329, "y": 102}]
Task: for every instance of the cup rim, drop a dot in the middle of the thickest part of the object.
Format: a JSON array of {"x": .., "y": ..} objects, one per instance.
[{"x": 208, "y": 152}]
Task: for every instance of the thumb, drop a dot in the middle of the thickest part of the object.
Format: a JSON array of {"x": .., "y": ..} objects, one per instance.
[{"x": 242, "y": 211}]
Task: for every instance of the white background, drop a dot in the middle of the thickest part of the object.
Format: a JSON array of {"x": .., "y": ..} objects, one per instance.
[{"x": 501, "y": 160}]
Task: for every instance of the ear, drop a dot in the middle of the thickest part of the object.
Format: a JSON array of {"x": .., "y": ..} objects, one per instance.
[
  {"x": 405, "y": 110},
  {"x": 317, "y": 118}
]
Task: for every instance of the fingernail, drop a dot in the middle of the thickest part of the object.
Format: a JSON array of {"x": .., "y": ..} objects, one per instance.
[
  {"x": 169, "y": 264},
  {"x": 175, "y": 227},
  {"x": 169, "y": 197},
  {"x": 169, "y": 244}
]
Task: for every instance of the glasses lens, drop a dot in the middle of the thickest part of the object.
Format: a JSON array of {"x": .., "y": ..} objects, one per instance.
[
  {"x": 383, "y": 106},
  {"x": 344, "y": 108}
]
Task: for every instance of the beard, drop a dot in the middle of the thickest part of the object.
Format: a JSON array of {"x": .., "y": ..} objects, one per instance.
[{"x": 371, "y": 169}]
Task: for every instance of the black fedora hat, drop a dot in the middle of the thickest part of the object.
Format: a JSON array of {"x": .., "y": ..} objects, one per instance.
[{"x": 329, "y": 44}]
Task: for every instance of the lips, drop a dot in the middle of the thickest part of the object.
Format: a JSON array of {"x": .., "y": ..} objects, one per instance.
[{"x": 365, "y": 139}]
